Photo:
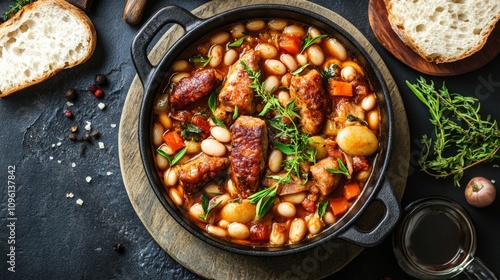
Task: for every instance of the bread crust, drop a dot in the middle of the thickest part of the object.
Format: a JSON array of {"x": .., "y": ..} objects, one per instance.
[
  {"x": 15, "y": 22},
  {"x": 397, "y": 25}
]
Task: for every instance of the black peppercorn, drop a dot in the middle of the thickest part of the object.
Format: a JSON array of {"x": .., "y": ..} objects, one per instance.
[
  {"x": 100, "y": 80},
  {"x": 86, "y": 137},
  {"x": 71, "y": 94},
  {"x": 93, "y": 88},
  {"x": 72, "y": 137},
  {"x": 119, "y": 248},
  {"x": 95, "y": 134}
]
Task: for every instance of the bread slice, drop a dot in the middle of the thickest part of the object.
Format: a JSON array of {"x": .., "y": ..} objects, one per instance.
[
  {"x": 443, "y": 30},
  {"x": 42, "y": 39}
]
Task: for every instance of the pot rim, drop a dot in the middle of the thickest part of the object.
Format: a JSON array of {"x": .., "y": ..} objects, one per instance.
[{"x": 196, "y": 31}]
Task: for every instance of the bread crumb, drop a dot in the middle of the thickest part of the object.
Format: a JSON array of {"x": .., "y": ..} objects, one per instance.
[
  {"x": 101, "y": 106},
  {"x": 79, "y": 202},
  {"x": 70, "y": 195},
  {"x": 69, "y": 104},
  {"x": 101, "y": 145},
  {"x": 88, "y": 179},
  {"x": 88, "y": 126}
]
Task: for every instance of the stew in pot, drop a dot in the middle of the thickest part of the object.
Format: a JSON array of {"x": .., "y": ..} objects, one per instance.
[{"x": 265, "y": 132}]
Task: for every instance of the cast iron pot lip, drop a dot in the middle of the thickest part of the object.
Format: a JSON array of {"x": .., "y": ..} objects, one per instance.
[{"x": 151, "y": 89}]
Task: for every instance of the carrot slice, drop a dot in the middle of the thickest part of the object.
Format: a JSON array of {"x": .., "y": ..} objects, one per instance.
[
  {"x": 339, "y": 205},
  {"x": 351, "y": 190},
  {"x": 339, "y": 88},
  {"x": 173, "y": 140},
  {"x": 290, "y": 44}
]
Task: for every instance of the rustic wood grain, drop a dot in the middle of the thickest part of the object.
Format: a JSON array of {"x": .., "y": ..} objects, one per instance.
[
  {"x": 210, "y": 262},
  {"x": 377, "y": 15}
]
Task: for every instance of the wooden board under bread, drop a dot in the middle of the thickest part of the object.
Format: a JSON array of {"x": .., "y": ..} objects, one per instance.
[
  {"x": 377, "y": 15},
  {"x": 208, "y": 261}
]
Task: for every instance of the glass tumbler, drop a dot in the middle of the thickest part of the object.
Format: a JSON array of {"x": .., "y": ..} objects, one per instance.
[{"x": 436, "y": 240}]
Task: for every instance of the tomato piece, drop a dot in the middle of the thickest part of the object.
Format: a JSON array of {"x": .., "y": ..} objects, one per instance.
[
  {"x": 173, "y": 140},
  {"x": 290, "y": 44},
  {"x": 339, "y": 88},
  {"x": 203, "y": 124}
]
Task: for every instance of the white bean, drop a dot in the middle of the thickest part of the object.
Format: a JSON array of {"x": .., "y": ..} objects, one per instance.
[
  {"x": 255, "y": 25},
  {"x": 301, "y": 59},
  {"x": 220, "y": 200},
  {"x": 275, "y": 67},
  {"x": 170, "y": 177},
  {"x": 315, "y": 54},
  {"x": 179, "y": 76},
  {"x": 289, "y": 62},
  {"x": 336, "y": 48},
  {"x": 297, "y": 230},
  {"x": 357, "y": 140},
  {"x": 313, "y": 33},
  {"x": 277, "y": 24},
  {"x": 221, "y": 134},
  {"x": 272, "y": 83},
  {"x": 314, "y": 224},
  {"x": 369, "y": 102},
  {"x": 219, "y": 38},
  {"x": 158, "y": 134},
  {"x": 266, "y": 50},
  {"x": 217, "y": 231},
  {"x": 213, "y": 147},
  {"x": 295, "y": 198},
  {"x": 180, "y": 65},
  {"x": 275, "y": 161},
  {"x": 176, "y": 196},
  {"x": 161, "y": 162},
  {"x": 294, "y": 30},
  {"x": 348, "y": 73},
  {"x": 230, "y": 57},
  {"x": 231, "y": 188},
  {"x": 212, "y": 190},
  {"x": 278, "y": 234},
  {"x": 284, "y": 97},
  {"x": 196, "y": 211},
  {"x": 329, "y": 218},
  {"x": 165, "y": 120},
  {"x": 238, "y": 31},
  {"x": 286, "y": 209},
  {"x": 242, "y": 212},
  {"x": 167, "y": 149},
  {"x": 223, "y": 223},
  {"x": 285, "y": 79},
  {"x": 238, "y": 231},
  {"x": 373, "y": 119},
  {"x": 217, "y": 53}
]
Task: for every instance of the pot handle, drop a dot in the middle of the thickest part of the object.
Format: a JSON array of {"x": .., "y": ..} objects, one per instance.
[
  {"x": 168, "y": 14},
  {"x": 388, "y": 198}
]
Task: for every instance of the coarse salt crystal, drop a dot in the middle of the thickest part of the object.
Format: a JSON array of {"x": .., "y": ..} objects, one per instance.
[
  {"x": 101, "y": 106},
  {"x": 88, "y": 179},
  {"x": 496, "y": 165},
  {"x": 79, "y": 202},
  {"x": 53, "y": 145},
  {"x": 109, "y": 173},
  {"x": 51, "y": 158},
  {"x": 70, "y": 195},
  {"x": 113, "y": 125},
  {"x": 73, "y": 164},
  {"x": 59, "y": 161},
  {"x": 59, "y": 144},
  {"x": 493, "y": 181},
  {"x": 69, "y": 104},
  {"x": 101, "y": 145},
  {"x": 87, "y": 126}
]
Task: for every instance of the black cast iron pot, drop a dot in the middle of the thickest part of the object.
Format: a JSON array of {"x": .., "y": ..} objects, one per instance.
[{"x": 377, "y": 187}]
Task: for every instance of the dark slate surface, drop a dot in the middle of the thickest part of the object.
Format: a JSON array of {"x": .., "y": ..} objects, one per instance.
[{"x": 55, "y": 238}]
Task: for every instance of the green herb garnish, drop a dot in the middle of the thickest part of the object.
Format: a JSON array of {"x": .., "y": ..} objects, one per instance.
[
  {"x": 206, "y": 207},
  {"x": 308, "y": 41},
  {"x": 235, "y": 113},
  {"x": 212, "y": 101},
  {"x": 352, "y": 118},
  {"x": 322, "y": 208},
  {"x": 237, "y": 43},
  {"x": 462, "y": 138},
  {"x": 297, "y": 147},
  {"x": 177, "y": 157},
  {"x": 329, "y": 72},
  {"x": 300, "y": 69},
  {"x": 342, "y": 169},
  {"x": 200, "y": 60},
  {"x": 13, "y": 9},
  {"x": 191, "y": 132},
  {"x": 218, "y": 122}
]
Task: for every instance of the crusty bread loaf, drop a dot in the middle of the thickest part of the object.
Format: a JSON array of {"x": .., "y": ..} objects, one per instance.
[
  {"x": 443, "y": 30},
  {"x": 42, "y": 39}
]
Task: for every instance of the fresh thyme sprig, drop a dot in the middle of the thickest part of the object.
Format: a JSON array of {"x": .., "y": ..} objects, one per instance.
[
  {"x": 462, "y": 137},
  {"x": 297, "y": 148},
  {"x": 341, "y": 170}
]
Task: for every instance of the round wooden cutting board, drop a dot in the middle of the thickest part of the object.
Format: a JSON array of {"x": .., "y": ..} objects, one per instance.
[
  {"x": 213, "y": 263},
  {"x": 379, "y": 22}
]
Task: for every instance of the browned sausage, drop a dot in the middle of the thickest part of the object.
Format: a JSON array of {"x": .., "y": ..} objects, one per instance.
[
  {"x": 325, "y": 180},
  {"x": 196, "y": 173},
  {"x": 193, "y": 88}
]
